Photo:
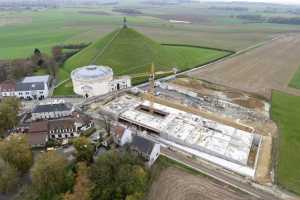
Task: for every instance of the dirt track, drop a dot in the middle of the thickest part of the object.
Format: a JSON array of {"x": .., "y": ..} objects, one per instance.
[
  {"x": 268, "y": 67},
  {"x": 174, "y": 184}
]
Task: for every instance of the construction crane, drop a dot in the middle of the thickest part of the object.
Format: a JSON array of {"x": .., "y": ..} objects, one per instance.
[{"x": 152, "y": 74}]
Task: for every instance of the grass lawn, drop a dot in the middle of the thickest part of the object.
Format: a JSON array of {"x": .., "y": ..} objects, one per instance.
[
  {"x": 41, "y": 71},
  {"x": 65, "y": 89},
  {"x": 286, "y": 113},
  {"x": 164, "y": 162},
  {"x": 295, "y": 82}
]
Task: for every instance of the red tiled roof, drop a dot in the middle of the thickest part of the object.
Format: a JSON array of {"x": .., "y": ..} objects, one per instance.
[
  {"x": 81, "y": 117},
  {"x": 38, "y": 132},
  {"x": 37, "y": 127},
  {"x": 119, "y": 131},
  {"x": 37, "y": 138},
  {"x": 61, "y": 124},
  {"x": 7, "y": 86}
]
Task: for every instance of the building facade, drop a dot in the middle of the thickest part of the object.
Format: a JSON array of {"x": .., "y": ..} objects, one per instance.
[
  {"x": 58, "y": 129},
  {"x": 146, "y": 149},
  {"x": 120, "y": 83},
  {"x": 122, "y": 135},
  {"x": 31, "y": 87},
  {"x": 97, "y": 80},
  {"x": 8, "y": 88},
  {"x": 67, "y": 128}
]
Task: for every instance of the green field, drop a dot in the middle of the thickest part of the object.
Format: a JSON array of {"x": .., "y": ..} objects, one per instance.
[
  {"x": 22, "y": 31},
  {"x": 295, "y": 82},
  {"x": 286, "y": 112},
  {"x": 127, "y": 52}
]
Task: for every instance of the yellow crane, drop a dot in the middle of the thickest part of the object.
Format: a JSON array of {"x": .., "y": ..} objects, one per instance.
[{"x": 152, "y": 74}]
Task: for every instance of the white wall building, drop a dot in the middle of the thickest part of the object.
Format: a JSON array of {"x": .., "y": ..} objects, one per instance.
[
  {"x": 31, "y": 87},
  {"x": 33, "y": 90},
  {"x": 97, "y": 80},
  {"x": 145, "y": 148},
  {"x": 51, "y": 111},
  {"x": 122, "y": 136}
]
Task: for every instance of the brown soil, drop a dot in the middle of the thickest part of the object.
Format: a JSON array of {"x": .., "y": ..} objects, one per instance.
[
  {"x": 258, "y": 71},
  {"x": 264, "y": 161},
  {"x": 251, "y": 103},
  {"x": 235, "y": 96},
  {"x": 174, "y": 184}
]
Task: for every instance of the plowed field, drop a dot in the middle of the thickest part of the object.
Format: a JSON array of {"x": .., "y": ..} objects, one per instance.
[{"x": 268, "y": 67}]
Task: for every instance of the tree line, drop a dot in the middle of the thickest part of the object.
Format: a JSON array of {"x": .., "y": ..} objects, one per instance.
[
  {"x": 9, "y": 109},
  {"x": 115, "y": 175},
  {"x": 275, "y": 20},
  {"x": 18, "y": 68}
]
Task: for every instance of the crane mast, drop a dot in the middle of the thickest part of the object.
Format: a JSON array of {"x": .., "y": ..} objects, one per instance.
[{"x": 151, "y": 74}]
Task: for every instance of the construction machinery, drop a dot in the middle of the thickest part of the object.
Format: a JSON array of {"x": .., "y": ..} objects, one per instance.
[{"x": 152, "y": 74}]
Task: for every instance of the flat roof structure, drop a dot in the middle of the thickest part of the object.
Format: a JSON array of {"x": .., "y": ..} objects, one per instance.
[
  {"x": 56, "y": 107},
  {"x": 187, "y": 129},
  {"x": 31, "y": 79}
]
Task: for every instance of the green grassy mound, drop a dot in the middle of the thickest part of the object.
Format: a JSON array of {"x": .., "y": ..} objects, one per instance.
[
  {"x": 128, "y": 52},
  {"x": 286, "y": 112}
]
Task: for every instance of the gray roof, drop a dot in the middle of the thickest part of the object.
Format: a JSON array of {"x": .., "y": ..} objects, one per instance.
[
  {"x": 32, "y": 79},
  {"x": 52, "y": 108},
  {"x": 92, "y": 72},
  {"x": 30, "y": 86},
  {"x": 142, "y": 145}
]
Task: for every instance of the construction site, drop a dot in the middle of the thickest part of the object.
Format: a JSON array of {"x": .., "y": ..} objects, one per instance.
[{"x": 228, "y": 128}]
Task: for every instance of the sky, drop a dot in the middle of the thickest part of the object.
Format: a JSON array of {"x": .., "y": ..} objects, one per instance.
[{"x": 271, "y": 1}]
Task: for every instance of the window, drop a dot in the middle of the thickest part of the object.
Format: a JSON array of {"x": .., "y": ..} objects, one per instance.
[{"x": 41, "y": 92}]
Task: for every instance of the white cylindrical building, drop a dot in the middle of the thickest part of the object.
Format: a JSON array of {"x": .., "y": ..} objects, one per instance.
[{"x": 92, "y": 80}]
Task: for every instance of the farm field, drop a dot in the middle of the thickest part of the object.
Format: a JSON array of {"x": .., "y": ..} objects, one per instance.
[
  {"x": 286, "y": 111},
  {"x": 176, "y": 184},
  {"x": 23, "y": 31},
  {"x": 268, "y": 67},
  {"x": 295, "y": 82}
]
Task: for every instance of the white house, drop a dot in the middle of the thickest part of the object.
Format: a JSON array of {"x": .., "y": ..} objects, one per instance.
[
  {"x": 66, "y": 128},
  {"x": 122, "y": 135},
  {"x": 121, "y": 83},
  {"x": 33, "y": 90},
  {"x": 31, "y": 87},
  {"x": 147, "y": 149}
]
